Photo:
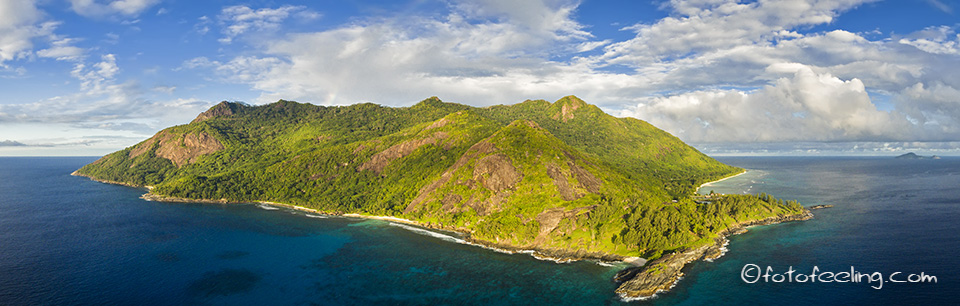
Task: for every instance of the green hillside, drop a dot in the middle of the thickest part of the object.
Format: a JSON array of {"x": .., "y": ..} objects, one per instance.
[{"x": 534, "y": 175}]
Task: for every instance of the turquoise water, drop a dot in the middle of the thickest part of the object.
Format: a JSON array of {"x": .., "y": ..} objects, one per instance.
[
  {"x": 69, "y": 240},
  {"x": 889, "y": 216}
]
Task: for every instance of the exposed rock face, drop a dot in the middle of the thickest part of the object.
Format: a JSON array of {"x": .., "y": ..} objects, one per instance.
[
  {"x": 439, "y": 123},
  {"x": 549, "y": 219},
  {"x": 222, "y": 109},
  {"x": 397, "y": 151},
  {"x": 566, "y": 191},
  {"x": 184, "y": 149},
  {"x": 585, "y": 180},
  {"x": 450, "y": 202},
  {"x": 661, "y": 274},
  {"x": 496, "y": 172},
  {"x": 482, "y": 147}
]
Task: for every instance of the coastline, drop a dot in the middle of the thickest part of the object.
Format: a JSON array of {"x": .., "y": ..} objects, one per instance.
[
  {"x": 723, "y": 179},
  {"x": 662, "y": 274},
  {"x": 555, "y": 255},
  {"x": 77, "y": 173},
  {"x": 639, "y": 281}
]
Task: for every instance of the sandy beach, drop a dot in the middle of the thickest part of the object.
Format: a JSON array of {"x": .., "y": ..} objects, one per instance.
[{"x": 723, "y": 179}]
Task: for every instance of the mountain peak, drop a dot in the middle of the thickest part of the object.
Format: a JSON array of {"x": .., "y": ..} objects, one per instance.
[
  {"x": 572, "y": 101},
  {"x": 431, "y": 101},
  {"x": 566, "y": 106},
  {"x": 222, "y": 109}
]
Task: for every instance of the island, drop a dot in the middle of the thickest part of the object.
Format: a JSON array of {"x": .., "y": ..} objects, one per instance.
[
  {"x": 912, "y": 155},
  {"x": 562, "y": 180}
]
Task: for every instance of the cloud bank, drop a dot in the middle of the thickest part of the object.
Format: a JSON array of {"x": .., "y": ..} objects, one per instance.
[{"x": 711, "y": 71}]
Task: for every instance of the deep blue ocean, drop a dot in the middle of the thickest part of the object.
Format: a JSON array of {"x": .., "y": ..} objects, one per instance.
[{"x": 68, "y": 240}]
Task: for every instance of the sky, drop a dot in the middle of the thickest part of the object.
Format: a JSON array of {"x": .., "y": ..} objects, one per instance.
[{"x": 807, "y": 77}]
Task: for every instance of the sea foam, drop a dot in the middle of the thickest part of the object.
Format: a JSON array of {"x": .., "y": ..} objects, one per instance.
[
  {"x": 267, "y": 207},
  {"x": 429, "y": 233}
]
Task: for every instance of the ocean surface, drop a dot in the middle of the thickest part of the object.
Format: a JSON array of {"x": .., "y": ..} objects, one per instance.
[{"x": 68, "y": 240}]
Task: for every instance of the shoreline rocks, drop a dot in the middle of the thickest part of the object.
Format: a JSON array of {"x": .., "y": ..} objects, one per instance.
[{"x": 662, "y": 274}]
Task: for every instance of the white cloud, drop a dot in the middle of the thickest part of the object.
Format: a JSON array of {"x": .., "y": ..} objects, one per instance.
[
  {"x": 102, "y": 73},
  {"x": 591, "y": 45},
  {"x": 802, "y": 107},
  {"x": 714, "y": 70},
  {"x": 705, "y": 26},
  {"x": 936, "y": 40},
  {"x": 22, "y": 27},
  {"x": 239, "y": 19},
  {"x": 103, "y": 103},
  {"x": 475, "y": 52},
  {"x": 62, "y": 50},
  {"x": 547, "y": 18},
  {"x": 941, "y": 6},
  {"x": 110, "y": 8},
  {"x": 19, "y": 25}
]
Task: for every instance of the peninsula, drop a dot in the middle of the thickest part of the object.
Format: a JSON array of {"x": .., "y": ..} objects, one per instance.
[{"x": 564, "y": 179}]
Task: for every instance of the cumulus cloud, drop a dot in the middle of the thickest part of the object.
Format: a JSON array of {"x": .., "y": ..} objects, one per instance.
[
  {"x": 710, "y": 25},
  {"x": 548, "y": 18},
  {"x": 239, "y": 19},
  {"x": 25, "y": 34},
  {"x": 108, "y": 8},
  {"x": 937, "y": 40},
  {"x": 804, "y": 106},
  {"x": 62, "y": 49},
  {"x": 20, "y": 23},
  {"x": 481, "y": 51},
  {"x": 104, "y": 102},
  {"x": 714, "y": 70}
]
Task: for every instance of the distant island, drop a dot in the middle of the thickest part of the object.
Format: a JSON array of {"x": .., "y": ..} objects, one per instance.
[
  {"x": 912, "y": 155},
  {"x": 563, "y": 180}
]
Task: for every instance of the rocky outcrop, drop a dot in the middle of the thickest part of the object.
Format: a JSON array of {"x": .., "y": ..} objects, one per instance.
[
  {"x": 380, "y": 160},
  {"x": 438, "y": 124},
  {"x": 482, "y": 147},
  {"x": 585, "y": 180},
  {"x": 186, "y": 148},
  {"x": 496, "y": 172},
  {"x": 660, "y": 275},
  {"x": 222, "y": 109},
  {"x": 560, "y": 181},
  {"x": 549, "y": 219}
]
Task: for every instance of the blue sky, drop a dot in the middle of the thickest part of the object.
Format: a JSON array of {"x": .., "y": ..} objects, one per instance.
[{"x": 87, "y": 77}]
